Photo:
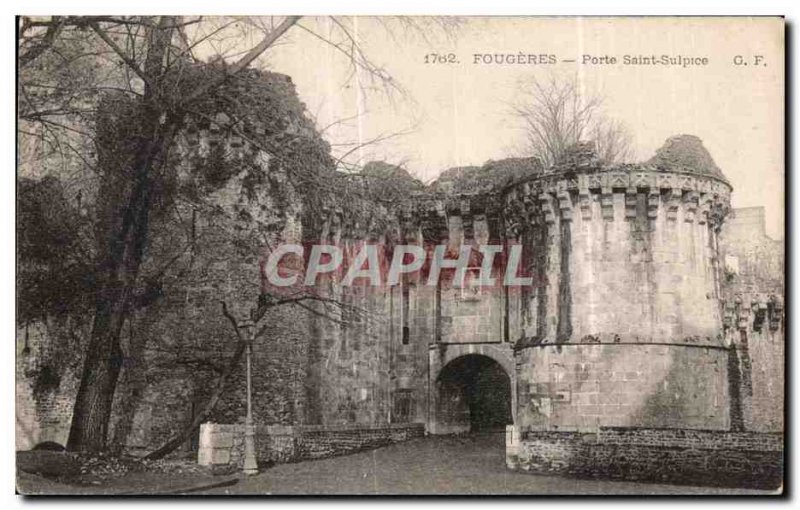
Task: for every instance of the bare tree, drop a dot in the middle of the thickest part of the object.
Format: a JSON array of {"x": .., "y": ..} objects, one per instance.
[
  {"x": 242, "y": 340},
  {"x": 131, "y": 162},
  {"x": 152, "y": 65},
  {"x": 555, "y": 116}
]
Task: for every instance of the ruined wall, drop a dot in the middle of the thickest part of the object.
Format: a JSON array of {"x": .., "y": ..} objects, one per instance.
[
  {"x": 238, "y": 200},
  {"x": 367, "y": 361},
  {"x": 418, "y": 312},
  {"x": 186, "y": 342},
  {"x": 46, "y": 381},
  {"x": 240, "y": 170},
  {"x": 753, "y": 290}
]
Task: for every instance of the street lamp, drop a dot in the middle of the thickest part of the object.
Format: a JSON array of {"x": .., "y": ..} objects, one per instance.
[{"x": 250, "y": 464}]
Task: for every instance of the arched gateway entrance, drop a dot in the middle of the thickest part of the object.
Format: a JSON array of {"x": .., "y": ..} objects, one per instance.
[{"x": 473, "y": 393}]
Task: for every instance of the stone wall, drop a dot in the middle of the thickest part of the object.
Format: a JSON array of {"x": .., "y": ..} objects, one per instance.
[
  {"x": 224, "y": 444},
  {"x": 352, "y": 359},
  {"x": 45, "y": 387},
  {"x": 753, "y": 290},
  {"x": 635, "y": 318},
  {"x": 221, "y": 444},
  {"x": 469, "y": 314},
  {"x": 189, "y": 344},
  {"x": 623, "y": 255},
  {"x": 766, "y": 406},
  {"x": 583, "y": 387},
  {"x": 320, "y": 442},
  {"x": 692, "y": 457},
  {"x": 43, "y": 419},
  {"x": 637, "y": 276},
  {"x": 243, "y": 204}
]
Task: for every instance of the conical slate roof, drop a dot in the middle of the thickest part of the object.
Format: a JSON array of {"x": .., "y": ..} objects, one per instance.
[{"x": 685, "y": 153}]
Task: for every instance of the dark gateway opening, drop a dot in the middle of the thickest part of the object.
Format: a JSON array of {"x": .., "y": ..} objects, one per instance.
[{"x": 474, "y": 395}]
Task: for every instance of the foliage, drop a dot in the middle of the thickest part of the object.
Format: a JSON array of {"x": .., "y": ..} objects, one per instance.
[
  {"x": 492, "y": 176},
  {"x": 131, "y": 93},
  {"x": 54, "y": 269},
  {"x": 46, "y": 378},
  {"x": 388, "y": 183}
]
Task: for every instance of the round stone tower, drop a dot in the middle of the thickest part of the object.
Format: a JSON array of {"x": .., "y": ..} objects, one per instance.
[{"x": 622, "y": 325}]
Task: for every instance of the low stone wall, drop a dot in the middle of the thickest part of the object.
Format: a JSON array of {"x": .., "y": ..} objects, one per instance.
[
  {"x": 692, "y": 457},
  {"x": 220, "y": 444},
  {"x": 224, "y": 444},
  {"x": 320, "y": 442}
]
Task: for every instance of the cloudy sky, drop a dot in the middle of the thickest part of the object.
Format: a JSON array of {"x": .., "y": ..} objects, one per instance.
[{"x": 458, "y": 113}]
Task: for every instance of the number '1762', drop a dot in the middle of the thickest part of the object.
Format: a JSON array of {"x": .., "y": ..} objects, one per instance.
[{"x": 441, "y": 58}]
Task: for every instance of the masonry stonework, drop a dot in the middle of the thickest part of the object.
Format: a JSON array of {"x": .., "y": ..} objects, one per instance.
[
  {"x": 648, "y": 325},
  {"x": 692, "y": 457}
]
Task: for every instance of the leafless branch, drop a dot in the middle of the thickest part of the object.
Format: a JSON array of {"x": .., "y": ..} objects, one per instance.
[
  {"x": 53, "y": 30},
  {"x": 246, "y": 60},
  {"x": 555, "y": 116},
  {"x": 232, "y": 320},
  {"x": 132, "y": 65}
]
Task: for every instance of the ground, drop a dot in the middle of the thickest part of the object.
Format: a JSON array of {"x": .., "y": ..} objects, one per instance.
[{"x": 433, "y": 465}]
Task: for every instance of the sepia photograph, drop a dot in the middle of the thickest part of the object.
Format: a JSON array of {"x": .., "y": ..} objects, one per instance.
[{"x": 400, "y": 255}]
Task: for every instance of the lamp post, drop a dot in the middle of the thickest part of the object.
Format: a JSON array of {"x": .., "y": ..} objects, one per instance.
[{"x": 250, "y": 464}]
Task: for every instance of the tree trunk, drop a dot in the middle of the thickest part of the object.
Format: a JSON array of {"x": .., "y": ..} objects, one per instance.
[
  {"x": 127, "y": 192},
  {"x": 104, "y": 356},
  {"x": 125, "y": 231},
  {"x": 118, "y": 277},
  {"x": 126, "y": 196},
  {"x": 133, "y": 380},
  {"x": 187, "y": 431},
  {"x": 101, "y": 370}
]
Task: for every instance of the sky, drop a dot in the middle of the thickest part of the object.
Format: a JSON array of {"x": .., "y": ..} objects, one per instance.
[{"x": 455, "y": 114}]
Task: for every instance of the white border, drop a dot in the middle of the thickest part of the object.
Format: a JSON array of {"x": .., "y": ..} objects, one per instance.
[{"x": 791, "y": 9}]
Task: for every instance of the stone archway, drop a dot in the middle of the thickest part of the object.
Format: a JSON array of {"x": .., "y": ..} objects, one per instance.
[{"x": 473, "y": 393}]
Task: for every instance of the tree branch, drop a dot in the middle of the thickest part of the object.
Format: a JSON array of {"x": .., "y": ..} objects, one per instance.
[
  {"x": 232, "y": 320},
  {"x": 246, "y": 60},
  {"x": 121, "y": 54},
  {"x": 50, "y": 35}
]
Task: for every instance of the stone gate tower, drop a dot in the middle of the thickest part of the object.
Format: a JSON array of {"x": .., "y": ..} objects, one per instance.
[
  {"x": 622, "y": 326},
  {"x": 627, "y": 363}
]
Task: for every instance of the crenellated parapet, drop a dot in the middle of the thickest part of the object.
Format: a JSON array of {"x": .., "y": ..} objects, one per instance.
[
  {"x": 650, "y": 192},
  {"x": 432, "y": 215},
  {"x": 753, "y": 312},
  {"x": 701, "y": 198},
  {"x": 621, "y": 254}
]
